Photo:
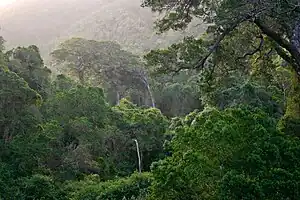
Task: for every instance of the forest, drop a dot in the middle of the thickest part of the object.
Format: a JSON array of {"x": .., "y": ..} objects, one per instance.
[{"x": 213, "y": 116}]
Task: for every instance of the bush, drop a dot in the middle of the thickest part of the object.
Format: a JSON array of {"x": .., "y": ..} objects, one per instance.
[
  {"x": 91, "y": 188},
  {"x": 35, "y": 187}
]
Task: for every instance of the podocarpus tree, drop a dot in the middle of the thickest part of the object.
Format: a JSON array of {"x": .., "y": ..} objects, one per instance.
[
  {"x": 103, "y": 63},
  {"x": 243, "y": 33}
]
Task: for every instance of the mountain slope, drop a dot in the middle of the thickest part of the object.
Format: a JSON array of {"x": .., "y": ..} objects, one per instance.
[{"x": 47, "y": 23}]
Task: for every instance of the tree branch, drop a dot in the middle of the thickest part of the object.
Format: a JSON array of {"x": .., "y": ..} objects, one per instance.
[
  {"x": 251, "y": 53},
  {"x": 283, "y": 54},
  {"x": 201, "y": 62},
  {"x": 282, "y": 42},
  {"x": 286, "y": 57}
]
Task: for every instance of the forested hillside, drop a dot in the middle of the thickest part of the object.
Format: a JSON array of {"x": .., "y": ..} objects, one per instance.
[
  {"x": 214, "y": 116},
  {"x": 47, "y": 23}
]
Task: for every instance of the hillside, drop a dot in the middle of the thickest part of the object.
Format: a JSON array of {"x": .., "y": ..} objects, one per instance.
[{"x": 47, "y": 23}]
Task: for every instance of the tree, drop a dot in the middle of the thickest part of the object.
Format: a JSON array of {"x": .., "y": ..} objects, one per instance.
[
  {"x": 262, "y": 31},
  {"x": 236, "y": 153},
  {"x": 172, "y": 91},
  {"x": 2, "y": 56},
  {"x": 123, "y": 188},
  {"x": 28, "y": 64},
  {"x": 15, "y": 99},
  {"x": 105, "y": 63},
  {"x": 79, "y": 119},
  {"x": 274, "y": 19},
  {"x": 41, "y": 187},
  {"x": 16, "y": 120},
  {"x": 85, "y": 135},
  {"x": 147, "y": 126},
  {"x": 62, "y": 83}
]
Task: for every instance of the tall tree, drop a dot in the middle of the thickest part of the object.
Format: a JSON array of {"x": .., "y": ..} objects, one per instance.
[
  {"x": 262, "y": 31},
  {"x": 104, "y": 63},
  {"x": 28, "y": 64},
  {"x": 15, "y": 99},
  {"x": 279, "y": 20}
]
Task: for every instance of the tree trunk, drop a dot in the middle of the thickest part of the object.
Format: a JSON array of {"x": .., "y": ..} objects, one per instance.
[{"x": 292, "y": 45}]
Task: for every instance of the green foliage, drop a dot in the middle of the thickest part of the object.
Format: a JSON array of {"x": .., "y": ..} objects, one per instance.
[
  {"x": 289, "y": 125},
  {"x": 77, "y": 146},
  {"x": 28, "y": 64},
  {"x": 78, "y": 102},
  {"x": 43, "y": 143},
  {"x": 15, "y": 99},
  {"x": 170, "y": 95},
  {"x": 83, "y": 56},
  {"x": 181, "y": 88},
  {"x": 8, "y": 185},
  {"x": 225, "y": 13},
  {"x": 103, "y": 64},
  {"x": 182, "y": 12},
  {"x": 231, "y": 154},
  {"x": 91, "y": 138},
  {"x": 62, "y": 83},
  {"x": 248, "y": 94},
  {"x": 246, "y": 40},
  {"x": 183, "y": 55},
  {"x": 2, "y": 56},
  {"x": 40, "y": 187},
  {"x": 147, "y": 126},
  {"x": 82, "y": 122},
  {"x": 91, "y": 188}
]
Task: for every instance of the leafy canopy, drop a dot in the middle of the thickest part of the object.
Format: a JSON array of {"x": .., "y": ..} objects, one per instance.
[{"x": 232, "y": 154}]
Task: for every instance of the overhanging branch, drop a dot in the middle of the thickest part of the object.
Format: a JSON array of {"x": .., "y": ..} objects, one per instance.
[
  {"x": 283, "y": 54},
  {"x": 201, "y": 62},
  {"x": 280, "y": 51},
  {"x": 295, "y": 54}
]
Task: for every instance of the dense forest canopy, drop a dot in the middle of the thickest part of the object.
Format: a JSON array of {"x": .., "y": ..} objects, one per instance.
[{"x": 186, "y": 114}]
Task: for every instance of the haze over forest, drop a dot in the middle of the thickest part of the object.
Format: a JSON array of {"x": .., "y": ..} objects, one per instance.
[{"x": 46, "y": 23}]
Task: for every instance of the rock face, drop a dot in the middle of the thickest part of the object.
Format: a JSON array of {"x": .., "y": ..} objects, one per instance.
[{"x": 47, "y": 23}]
